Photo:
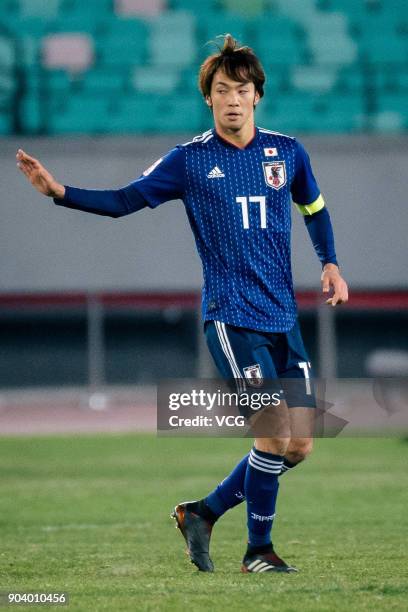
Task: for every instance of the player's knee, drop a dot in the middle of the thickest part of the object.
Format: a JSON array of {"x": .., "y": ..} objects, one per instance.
[
  {"x": 300, "y": 449},
  {"x": 276, "y": 446}
]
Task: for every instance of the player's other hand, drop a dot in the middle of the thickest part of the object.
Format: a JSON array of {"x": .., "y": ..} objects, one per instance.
[
  {"x": 332, "y": 280},
  {"x": 38, "y": 176}
]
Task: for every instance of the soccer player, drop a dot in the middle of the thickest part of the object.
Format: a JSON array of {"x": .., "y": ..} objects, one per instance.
[{"x": 236, "y": 181}]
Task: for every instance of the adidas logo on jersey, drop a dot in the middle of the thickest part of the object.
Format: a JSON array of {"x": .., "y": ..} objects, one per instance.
[{"x": 216, "y": 173}]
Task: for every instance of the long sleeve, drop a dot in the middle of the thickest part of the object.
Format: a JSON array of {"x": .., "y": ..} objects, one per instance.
[
  {"x": 110, "y": 202},
  {"x": 321, "y": 233},
  {"x": 161, "y": 182}
]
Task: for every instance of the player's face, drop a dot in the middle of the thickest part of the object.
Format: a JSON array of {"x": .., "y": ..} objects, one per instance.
[{"x": 232, "y": 102}]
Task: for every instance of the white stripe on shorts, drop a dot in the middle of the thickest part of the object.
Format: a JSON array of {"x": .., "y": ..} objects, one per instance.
[{"x": 226, "y": 347}]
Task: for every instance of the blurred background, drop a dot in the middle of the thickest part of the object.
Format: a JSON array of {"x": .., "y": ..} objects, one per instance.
[{"x": 98, "y": 90}]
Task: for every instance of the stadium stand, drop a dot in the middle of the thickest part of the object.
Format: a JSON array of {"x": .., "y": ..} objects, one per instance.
[{"x": 346, "y": 61}]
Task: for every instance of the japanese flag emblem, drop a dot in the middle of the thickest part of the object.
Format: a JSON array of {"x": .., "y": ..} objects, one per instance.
[{"x": 275, "y": 174}]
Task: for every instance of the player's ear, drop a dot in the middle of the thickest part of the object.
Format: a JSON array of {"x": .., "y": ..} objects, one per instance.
[
  {"x": 208, "y": 101},
  {"x": 257, "y": 98}
]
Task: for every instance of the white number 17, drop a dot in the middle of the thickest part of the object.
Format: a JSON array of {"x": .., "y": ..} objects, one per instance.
[{"x": 261, "y": 200}]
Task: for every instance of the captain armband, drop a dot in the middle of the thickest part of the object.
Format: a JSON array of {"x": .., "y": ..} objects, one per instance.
[{"x": 312, "y": 208}]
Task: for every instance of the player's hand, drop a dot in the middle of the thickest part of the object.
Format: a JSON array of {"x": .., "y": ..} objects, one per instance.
[
  {"x": 38, "y": 176},
  {"x": 332, "y": 279}
]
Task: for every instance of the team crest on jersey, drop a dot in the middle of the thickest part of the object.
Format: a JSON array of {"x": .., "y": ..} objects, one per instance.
[
  {"x": 275, "y": 174},
  {"x": 253, "y": 374}
]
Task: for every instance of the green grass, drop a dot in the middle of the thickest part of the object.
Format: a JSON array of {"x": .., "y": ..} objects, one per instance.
[{"x": 90, "y": 515}]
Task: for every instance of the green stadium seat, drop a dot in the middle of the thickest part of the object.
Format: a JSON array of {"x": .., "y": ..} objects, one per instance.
[
  {"x": 377, "y": 47},
  {"x": 142, "y": 113},
  {"x": 313, "y": 78},
  {"x": 80, "y": 114},
  {"x": 114, "y": 51},
  {"x": 32, "y": 114},
  {"x": 201, "y": 8},
  {"x": 6, "y": 123},
  {"x": 214, "y": 24},
  {"x": 153, "y": 79},
  {"x": 46, "y": 9},
  {"x": 303, "y": 11},
  {"x": 350, "y": 79},
  {"x": 134, "y": 113},
  {"x": 128, "y": 27},
  {"x": 172, "y": 39},
  {"x": 248, "y": 8},
  {"x": 104, "y": 82},
  {"x": 125, "y": 44},
  {"x": 85, "y": 23},
  {"x": 58, "y": 80},
  {"x": 182, "y": 114},
  {"x": 389, "y": 122},
  {"x": 8, "y": 87},
  {"x": 30, "y": 26},
  {"x": 395, "y": 103},
  {"x": 400, "y": 79},
  {"x": 86, "y": 7},
  {"x": 7, "y": 53},
  {"x": 279, "y": 41},
  {"x": 315, "y": 113}
]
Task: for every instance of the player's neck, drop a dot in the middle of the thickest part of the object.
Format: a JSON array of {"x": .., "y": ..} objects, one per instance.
[{"x": 240, "y": 138}]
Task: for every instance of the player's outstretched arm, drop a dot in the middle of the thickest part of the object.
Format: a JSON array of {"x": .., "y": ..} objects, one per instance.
[
  {"x": 332, "y": 279},
  {"x": 39, "y": 177}
]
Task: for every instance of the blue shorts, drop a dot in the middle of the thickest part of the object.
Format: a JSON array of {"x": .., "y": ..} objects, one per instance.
[{"x": 253, "y": 359}]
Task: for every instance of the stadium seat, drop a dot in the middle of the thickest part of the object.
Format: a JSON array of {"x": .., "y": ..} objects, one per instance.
[
  {"x": 116, "y": 49},
  {"x": 32, "y": 113},
  {"x": 248, "y": 8},
  {"x": 172, "y": 39},
  {"x": 102, "y": 81},
  {"x": 7, "y": 53},
  {"x": 142, "y": 113},
  {"x": 377, "y": 47},
  {"x": 388, "y": 122},
  {"x": 149, "y": 8},
  {"x": 313, "y": 78},
  {"x": 182, "y": 114},
  {"x": 80, "y": 114},
  {"x": 153, "y": 79},
  {"x": 124, "y": 45},
  {"x": 214, "y": 24},
  {"x": 201, "y": 8},
  {"x": 6, "y": 123},
  {"x": 46, "y": 9},
  {"x": 134, "y": 113},
  {"x": 84, "y": 7},
  {"x": 279, "y": 41},
  {"x": 74, "y": 52}
]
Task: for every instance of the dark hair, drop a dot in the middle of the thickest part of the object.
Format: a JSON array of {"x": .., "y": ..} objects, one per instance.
[{"x": 238, "y": 63}]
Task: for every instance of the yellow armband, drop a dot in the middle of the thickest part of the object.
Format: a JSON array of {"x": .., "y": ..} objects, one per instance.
[{"x": 312, "y": 208}]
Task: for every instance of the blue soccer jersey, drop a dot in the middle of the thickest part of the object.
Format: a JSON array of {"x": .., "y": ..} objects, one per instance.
[{"x": 238, "y": 202}]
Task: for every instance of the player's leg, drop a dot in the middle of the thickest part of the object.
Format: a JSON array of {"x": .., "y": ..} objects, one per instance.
[
  {"x": 296, "y": 375},
  {"x": 293, "y": 368},
  {"x": 245, "y": 351},
  {"x": 233, "y": 350}
]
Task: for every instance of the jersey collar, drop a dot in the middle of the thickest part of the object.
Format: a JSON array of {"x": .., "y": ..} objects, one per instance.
[{"x": 227, "y": 143}]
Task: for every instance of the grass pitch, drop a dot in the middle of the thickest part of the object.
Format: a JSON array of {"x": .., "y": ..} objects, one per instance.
[{"x": 89, "y": 515}]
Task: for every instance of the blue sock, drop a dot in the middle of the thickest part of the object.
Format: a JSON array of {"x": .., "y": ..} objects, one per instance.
[
  {"x": 261, "y": 491},
  {"x": 287, "y": 465},
  {"x": 230, "y": 492}
]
